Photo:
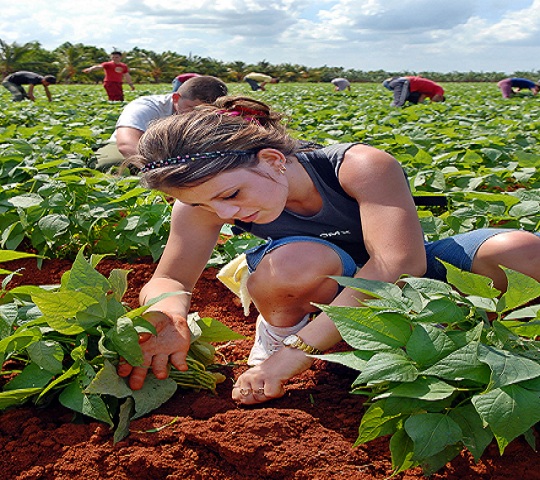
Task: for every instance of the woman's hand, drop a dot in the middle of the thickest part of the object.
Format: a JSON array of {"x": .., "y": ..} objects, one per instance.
[
  {"x": 265, "y": 381},
  {"x": 170, "y": 345}
]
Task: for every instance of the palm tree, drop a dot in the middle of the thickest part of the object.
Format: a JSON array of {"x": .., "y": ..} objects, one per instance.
[
  {"x": 71, "y": 60},
  {"x": 157, "y": 66},
  {"x": 12, "y": 56}
]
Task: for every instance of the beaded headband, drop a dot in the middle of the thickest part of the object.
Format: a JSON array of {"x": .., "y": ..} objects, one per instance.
[{"x": 192, "y": 157}]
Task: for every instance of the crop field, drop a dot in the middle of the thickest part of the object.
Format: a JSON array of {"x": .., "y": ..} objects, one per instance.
[
  {"x": 480, "y": 150},
  {"x": 444, "y": 366}
]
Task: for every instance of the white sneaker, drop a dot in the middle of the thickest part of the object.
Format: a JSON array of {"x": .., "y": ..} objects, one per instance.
[{"x": 269, "y": 339}]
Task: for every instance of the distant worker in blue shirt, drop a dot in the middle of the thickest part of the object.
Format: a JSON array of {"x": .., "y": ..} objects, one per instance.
[{"x": 508, "y": 84}]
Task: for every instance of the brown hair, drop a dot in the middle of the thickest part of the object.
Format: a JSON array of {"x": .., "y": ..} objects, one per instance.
[
  {"x": 237, "y": 127},
  {"x": 206, "y": 89}
]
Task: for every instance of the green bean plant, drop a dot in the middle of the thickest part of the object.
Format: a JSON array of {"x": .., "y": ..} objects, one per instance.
[
  {"x": 64, "y": 342},
  {"x": 444, "y": 366}
]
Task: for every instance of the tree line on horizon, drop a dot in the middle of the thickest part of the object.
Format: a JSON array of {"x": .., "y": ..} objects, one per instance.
[{"x": 146, "y": 66}]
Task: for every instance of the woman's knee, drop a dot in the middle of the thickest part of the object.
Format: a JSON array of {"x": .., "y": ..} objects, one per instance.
[
  {"x": 295, "y": 266},
  {"x": 518, "y": 250}
]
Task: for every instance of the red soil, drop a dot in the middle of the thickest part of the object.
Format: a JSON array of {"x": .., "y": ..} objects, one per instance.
[{"x": 308, "y": 434}]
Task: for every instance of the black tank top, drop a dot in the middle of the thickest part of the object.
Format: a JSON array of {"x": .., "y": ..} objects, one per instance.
[{"x": 338, "y": 221}]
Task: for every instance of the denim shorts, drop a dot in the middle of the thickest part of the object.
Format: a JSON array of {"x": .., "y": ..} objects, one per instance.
[
  {"x": 255, "y": 255},
  {"x": 458, "y": 250}
]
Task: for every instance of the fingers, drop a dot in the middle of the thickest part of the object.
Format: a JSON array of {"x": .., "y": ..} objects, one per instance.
[
  {"x": 259, "y": 394},
  {"x": 160, "y": 366},
  {"x": 137, "y": 377},
  {"x": 178, "y": 359}
]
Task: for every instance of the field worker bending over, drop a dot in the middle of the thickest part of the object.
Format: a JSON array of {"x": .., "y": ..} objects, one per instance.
[
  {"x": 257, "y": 81},
  {"x": 344, "y": 210},
  {"x": 139, "y": 113},
  {"x": 508, "y": 84},
  {"x": 413, "y": 90},
  {"x": 341, "y": 84},
  {"x": 14, "y": 83}
]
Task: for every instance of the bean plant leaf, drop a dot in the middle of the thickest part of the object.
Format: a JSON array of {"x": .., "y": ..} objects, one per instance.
[
  {"x": 440, "y": 310},
  {"x": 74, "y": 398},
  {"x": 373, "y": 288},
  {"x": 153, "y": 394},
  {"x": 387, "y": 367},
  {"x": 463, "y": 363},
  {"x": 11, "y": 398},
  {"x": 509, "y": 411},
  {"x": 423, "y": 388},
  {"x": 32, "y": 376},
  {"x": 521, "y": 290},
  {"x": 377, "y": 421},
  {"x": 402, "y": 449},
  {"x": 431, "y": 433},
  {"x": 108, "y": 382},
  {"x": 125, "y": 339},
  {"x": 354, "y": 359},
  {"x": 364, "y": 329},
  {"x": 507, "y": 368},
  {"x": 476, "y": 436},
  {"x": 47, "y": 354},
  {"x": 470, "y": 283},
  {"x": 213, "y": 331},
  {"x": 429, "y": 344}
]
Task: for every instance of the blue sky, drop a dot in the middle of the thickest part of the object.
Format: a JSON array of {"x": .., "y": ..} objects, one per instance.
[{"x": 394, "y": 35}]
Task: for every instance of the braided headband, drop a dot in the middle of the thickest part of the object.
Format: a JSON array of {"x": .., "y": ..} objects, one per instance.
[{"x": 192, "y": 157}]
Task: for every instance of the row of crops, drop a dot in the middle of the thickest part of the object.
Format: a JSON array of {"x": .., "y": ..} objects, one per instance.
[{"x": 479, "y": 149}]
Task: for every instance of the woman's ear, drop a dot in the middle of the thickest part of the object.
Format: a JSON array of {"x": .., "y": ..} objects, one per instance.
[{"x": 273, "y": 158}]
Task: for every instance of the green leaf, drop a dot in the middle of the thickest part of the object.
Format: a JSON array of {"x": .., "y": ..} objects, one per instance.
[
  {"x": 476, "y": 436},
  {"x": 364, "y": 329},
  {"x": 13, "y": 398},
  {"x": 354, "y": 359},
  {"x": 431, "y": 465},
  {"x": 32, "y": 376},
  {"x": 373, "y": 288},
  {"x": 108, "y": 382},
  {"x": 214, "y": 331},
  {"x": 431, "y": 433},
  {"x": 423, "y": 388},
  {"x": 506, "y": 367},
  {"x": 387, "y": 366},
  {"x": 153, "y": 394},
  {"x": 124, "y": 419},
  {"x": 441, "y": 310},
  {"x": 82, "y": 274},
  {"x": 125, "y": 339},
  {"x": 74, "y": 398},
  {"x": 470, "y": 283},
  {"x": 402, "y": 450},
  {"x": 509, "y": 411},
  {"x": 118, "y": 282},
  {"x": 63, "y": 304},
  {"x": 461, "y": 364},
  {"x": 521, "y": 290},
  {"x": 47, "y": 354},
  {"x": 376, "y": 422},
  {"x": 428, "y": 344}
]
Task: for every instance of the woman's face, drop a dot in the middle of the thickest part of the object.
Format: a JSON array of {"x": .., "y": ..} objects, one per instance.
[{"x": 255, "y": 195}]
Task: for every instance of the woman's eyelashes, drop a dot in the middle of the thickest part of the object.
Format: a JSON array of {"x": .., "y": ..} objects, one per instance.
[{"x": 232, "y": 195}]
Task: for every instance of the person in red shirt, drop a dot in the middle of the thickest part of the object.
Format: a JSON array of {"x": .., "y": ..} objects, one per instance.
[
  {"x": 116, "y": 73},
  {"x": 414, "y": 90}
]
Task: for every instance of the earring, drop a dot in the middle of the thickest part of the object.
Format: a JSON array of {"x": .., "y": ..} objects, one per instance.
[{"x": 282, "y": 168}]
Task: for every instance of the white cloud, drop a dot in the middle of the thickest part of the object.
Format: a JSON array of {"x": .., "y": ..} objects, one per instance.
[{"x": 436, "y": 35}]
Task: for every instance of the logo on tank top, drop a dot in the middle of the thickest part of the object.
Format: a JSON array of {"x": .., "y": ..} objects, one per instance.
[{"x": 337, "y": 233}]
